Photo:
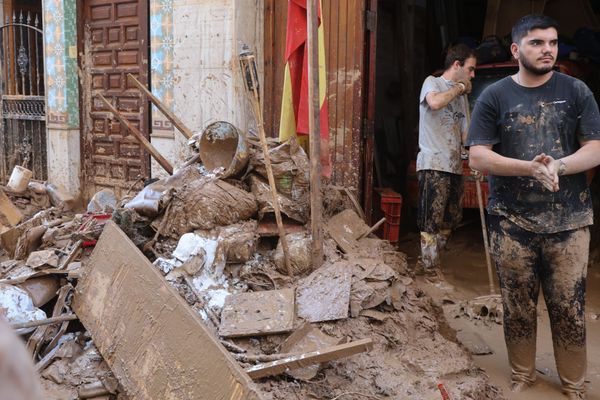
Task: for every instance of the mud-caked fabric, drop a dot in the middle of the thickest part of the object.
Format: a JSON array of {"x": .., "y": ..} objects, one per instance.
[
  {"x": 520, "y": 122},
  {"x": 440, "y": 131},
  {"x": 440, "y": 201},
  {"x": 526, "y": 261}
]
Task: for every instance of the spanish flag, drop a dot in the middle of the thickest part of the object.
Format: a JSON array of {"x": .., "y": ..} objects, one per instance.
[{"x": 294, "y": 104}]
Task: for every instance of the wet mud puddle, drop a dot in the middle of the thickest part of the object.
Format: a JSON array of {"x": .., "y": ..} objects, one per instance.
[{"x": 465, "y": 269}]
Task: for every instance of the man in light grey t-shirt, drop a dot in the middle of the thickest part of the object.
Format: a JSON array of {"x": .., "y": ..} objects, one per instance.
[{"x": 442, "y": 130}]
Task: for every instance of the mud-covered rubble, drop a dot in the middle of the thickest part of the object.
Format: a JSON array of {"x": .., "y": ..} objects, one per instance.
[{"x": 199, "y": 229}]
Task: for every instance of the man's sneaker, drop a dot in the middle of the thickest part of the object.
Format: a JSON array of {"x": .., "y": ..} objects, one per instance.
[{"x": 575, "y": 395}]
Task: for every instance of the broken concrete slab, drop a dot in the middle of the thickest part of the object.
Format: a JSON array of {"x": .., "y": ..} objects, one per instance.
[
  {"x": 325, "y": 294},
  {"x": 344, "y": 228},
  {"x": 258, "y": 313},
  {"x": 143, "y": 328},
  {"x": 306, "y": 359}
]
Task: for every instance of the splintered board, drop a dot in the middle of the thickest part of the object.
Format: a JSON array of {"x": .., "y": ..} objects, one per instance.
[{"x": 154, "y": 343}]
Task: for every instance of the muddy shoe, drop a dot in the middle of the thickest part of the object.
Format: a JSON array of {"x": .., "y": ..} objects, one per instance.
[
  {"x": 435, "y": 276},
  {"x": 575, "y": 396},
  {"x": 517, "y": 387},
  {"x": 419, "y": 268}
]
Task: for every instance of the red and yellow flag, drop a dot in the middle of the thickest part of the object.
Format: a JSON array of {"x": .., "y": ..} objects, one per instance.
[{"x": 294, "y": 104}]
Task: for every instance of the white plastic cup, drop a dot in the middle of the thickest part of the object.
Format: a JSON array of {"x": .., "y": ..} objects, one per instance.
[{"x": 19, "y": 179}]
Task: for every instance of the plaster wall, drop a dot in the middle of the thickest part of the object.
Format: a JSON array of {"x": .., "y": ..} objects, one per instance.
[{"x": 207, "y": 36}]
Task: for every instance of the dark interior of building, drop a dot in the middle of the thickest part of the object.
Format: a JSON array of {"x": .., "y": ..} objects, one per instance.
[{"x": 411, "y": 38}]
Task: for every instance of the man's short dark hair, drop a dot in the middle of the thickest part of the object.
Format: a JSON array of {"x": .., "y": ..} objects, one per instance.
[
  {"x": 460, "y": 53},
  {"x": 530, "y": 22}
]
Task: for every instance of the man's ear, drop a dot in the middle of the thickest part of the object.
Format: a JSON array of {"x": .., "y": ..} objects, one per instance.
[
  {"x": 514, "y": 50},
  {"x": 456, "y": 64}
]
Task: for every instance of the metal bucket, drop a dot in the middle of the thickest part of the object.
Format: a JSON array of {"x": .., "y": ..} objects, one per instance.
[{"x": 223, "y": 149}]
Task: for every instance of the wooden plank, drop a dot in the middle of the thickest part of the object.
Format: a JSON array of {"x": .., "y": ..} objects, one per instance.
[
  {"x": 369, "y": 141},
  {"x": 154, "y": 343},
  {"x": 314, "y": 108},
  {"x": 139, "y": 136},
  {"x": 167, "y": 113},
  {"x": 307, "y": 359}
]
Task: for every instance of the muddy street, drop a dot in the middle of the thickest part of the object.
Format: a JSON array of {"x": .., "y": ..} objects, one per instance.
[{"x": 465, "y": 269}]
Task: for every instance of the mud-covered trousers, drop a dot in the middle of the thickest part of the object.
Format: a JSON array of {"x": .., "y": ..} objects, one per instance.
[
  {"x": 440, "y": 211},
  {"x": 558, "y": 262}
]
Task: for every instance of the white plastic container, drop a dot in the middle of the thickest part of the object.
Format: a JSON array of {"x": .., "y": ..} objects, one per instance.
[{"x": 19, "y": 179}]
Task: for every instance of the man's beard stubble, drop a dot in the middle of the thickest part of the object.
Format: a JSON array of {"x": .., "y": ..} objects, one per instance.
[{"x": 532, "y": 68}]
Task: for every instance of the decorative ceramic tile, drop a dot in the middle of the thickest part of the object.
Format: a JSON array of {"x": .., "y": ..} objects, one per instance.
[
  {"x": 161, "y": 60},
  {"x": 60, "y": 35}
]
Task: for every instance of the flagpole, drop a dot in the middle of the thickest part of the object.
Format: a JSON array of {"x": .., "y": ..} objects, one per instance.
[{"x": 316, "y": 213}]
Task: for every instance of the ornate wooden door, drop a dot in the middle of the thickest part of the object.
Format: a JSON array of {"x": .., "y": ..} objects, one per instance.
[{"x": 115, "y": 43}]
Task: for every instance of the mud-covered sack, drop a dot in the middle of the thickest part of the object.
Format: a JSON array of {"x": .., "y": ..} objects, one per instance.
[
  {"x": 299, "y": 246},
  {"x": 296, "y": 210},
  {"x": 239, "y": 241},
  {"x": 151, "y": 200},
  {"x": 291, "y": 170},
  {"x": 204, "y": 204}
]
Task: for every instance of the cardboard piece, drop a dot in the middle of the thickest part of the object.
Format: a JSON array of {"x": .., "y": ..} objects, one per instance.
[
  {"x": 306, "y": 359},
  {"x": 154, "y": 343},
  {"x": 344, "y": 228},
  {"x": 9, "y": 213},
  {"x": 325, "y": 294},
  {"x": 258, "y": 313}
]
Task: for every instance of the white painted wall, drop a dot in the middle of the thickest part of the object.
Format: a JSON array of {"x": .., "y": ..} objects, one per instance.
[
  {"x": 64, "y": 159},
  {"x": 208, "y": 36}
]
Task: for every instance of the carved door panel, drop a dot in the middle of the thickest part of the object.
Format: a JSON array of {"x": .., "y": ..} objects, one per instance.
[{"x": 115, "y": 43}]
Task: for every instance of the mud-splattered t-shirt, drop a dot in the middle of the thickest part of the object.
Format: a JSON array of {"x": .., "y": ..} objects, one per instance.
[
  {"x": 521, "y": 122},
  {"x": 440, "y": 130}
]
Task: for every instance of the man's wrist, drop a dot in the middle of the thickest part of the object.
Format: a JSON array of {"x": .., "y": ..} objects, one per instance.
[{"x": 562, "y": 167}]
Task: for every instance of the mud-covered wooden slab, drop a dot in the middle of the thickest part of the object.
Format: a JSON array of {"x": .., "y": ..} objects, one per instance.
[
  {"x": 154, "y": 343},
  {"x": 258, "y": 313},
  {"x": 344, "y": 228},
  {"x": 306, "y": 359},
  {"x": 325, "y": 294}
]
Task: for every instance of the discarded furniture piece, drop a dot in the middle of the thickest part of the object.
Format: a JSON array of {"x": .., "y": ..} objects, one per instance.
[
  {"x": 155, "y": 344},
  {"x": 258, "y": 313},
  {"x": 306, "y": 359}
]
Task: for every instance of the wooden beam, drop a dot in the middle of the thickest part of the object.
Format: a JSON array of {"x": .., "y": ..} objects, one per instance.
[
  {"x": 249, "y": 74},
  {"x": 47, "y": 321},
  {"x": 306, "y": 359},
  {"x": 167, "y": 113},
  {"x": 316, "y": 204},
  {"x": 139, "y": 136}
]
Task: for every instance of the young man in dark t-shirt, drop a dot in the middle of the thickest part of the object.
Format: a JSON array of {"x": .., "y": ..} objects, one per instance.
[{"x": 536, "y": 133}]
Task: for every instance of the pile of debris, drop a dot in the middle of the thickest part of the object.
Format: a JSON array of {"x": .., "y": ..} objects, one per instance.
[{"x": 185, "y": 294}]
